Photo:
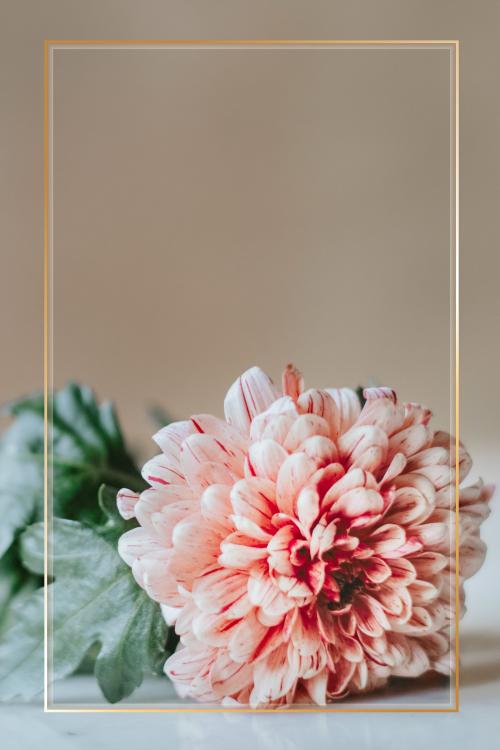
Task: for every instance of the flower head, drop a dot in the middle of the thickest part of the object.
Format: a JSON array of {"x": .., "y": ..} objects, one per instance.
[{"x": 303, "y": 546}]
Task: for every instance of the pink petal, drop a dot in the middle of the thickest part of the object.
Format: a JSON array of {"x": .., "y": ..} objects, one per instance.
[
  {"x": 322, "y": 539},
  {"x": 159, "y": 473},
  {"x": 396, "y": 467},
  {"x": 440, "y": 475},
  {"x": 264, "y": 593},
  {"x": 200, "y": 451},
  {"x": 126, "y": 501},
  {"x": 416, "y": 663},
  {"x": 305, "y": 634},
  {"x": 154, "y": 500},
  {"x": 265, "y": 459},
  {"x": 227, "y": 677},
  {"x": 189, "y": 557},
  {"x": 370, "y": 616},
  {"x": 428, "y": 564},
  {"x": 136, "y": 543},
  {"x": 185, "y": 665},
  {"x": 222, "y": 591},
  {"x": 376, "y": 570},
  {"x": 294, "y": 588},
  {"x": 422, "y": 592},
  {"x": 271, "y": 426},
  {"x": 433, "y": 536},
  {"x": 216, "y": 505},
  {"x": 249, "y": 528},
  {"x": 304, "y": 427},
  {"x": 292, "y": 382},
  {"x": 316, "y": 687},
  {"x": 252, "y": 393},
  {"x": 386, "y": 538},
  {"x": 324, "y": 479},
  {"x": 348, "y": 408},
  {"x": 308, "y": 507},
  {"x": 152, "y": 572},
  {"x": 381, "y": 412},
  {"x": 364, "y": 446},
  {"x": 429, "y": 457},
  {"x": 390, "y": 600},
  {"x": 170, "y": 438},
  {"x": 345, "y": 482},
  {"x": 251, "y": 640},
  {"x": 213, "y": 629},
  {"x": 219, "y": 429},
  {"x": 321, "y": 403},
  {"x": 292, "y": 476},
  {"x": 321, "y": 449},
  {"x": 279, "y": 549},
  {"x": 420, "y": 622},
  {"x": 357, "y": 502},
  {"x": 416, "y": 414},
  {"x": 254, "y": 498},
  {"x": 378, "y": 393},
  {"x": 409, "y": 506},
  {"x": 168, "y": 517},
  {"x": 403, "y": 571},
  {"x": 339, "y": 679},
  {"x": 273, "y": 678},
  {"x": 315, "y": 576},
  {"x": 241, "y": 552},
  {"x": 410, "y": 440},
  {"x": 170, "y": 614}
]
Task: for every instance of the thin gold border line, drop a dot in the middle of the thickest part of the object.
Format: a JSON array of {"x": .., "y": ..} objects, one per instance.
[
  {"x": 226, "y": 710},
  {"x": 457, "y": 376},
  {"x": 453, "y": 44},
  {"x": 252, "y": 42},
  {"x": 45, "y": 369}
]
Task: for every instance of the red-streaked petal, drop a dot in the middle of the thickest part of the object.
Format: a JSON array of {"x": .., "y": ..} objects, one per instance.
[
  {"x": 251, "y": 394},
  {"x": 292, "y": 476},
  {"x": 304, "y": 427},
  {"x": 265, "y": 459},
  {"x": 222, "y": 590},
  {"x": 126, "y": 501},
  {"x": 348, "y": 408},
  {"x": 158, "y": 472},
  {"x": 386, "y": 538}
]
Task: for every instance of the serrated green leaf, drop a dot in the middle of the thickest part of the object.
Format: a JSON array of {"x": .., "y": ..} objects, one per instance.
[
  {"x": 95, "y": 600},
  {"x": 15, "y": 585},
  {"x": 86, "y": 449},
  {"x": 21, "y": 650}
]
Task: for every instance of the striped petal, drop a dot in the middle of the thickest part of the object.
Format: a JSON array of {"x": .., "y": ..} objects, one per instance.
[{"x": 251, "y": 394}]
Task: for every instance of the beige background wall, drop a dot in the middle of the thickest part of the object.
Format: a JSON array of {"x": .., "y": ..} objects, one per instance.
[{"x": 215, "y": 210}]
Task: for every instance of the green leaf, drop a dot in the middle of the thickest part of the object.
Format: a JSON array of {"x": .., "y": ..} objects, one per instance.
[
  {"x": 94, "y": 600},
  {"x": 86, "y": 449},
  {"x": 21, "y": 482},
  {"x": 21, "y": 650},
  {"x": 15, "y": 585}
]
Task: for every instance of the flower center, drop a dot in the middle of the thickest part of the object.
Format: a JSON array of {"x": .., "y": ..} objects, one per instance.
[{"x": 346, "y": 582}]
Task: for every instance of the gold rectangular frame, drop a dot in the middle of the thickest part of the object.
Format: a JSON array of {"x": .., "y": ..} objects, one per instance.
[{"x": 454, "y": 48}]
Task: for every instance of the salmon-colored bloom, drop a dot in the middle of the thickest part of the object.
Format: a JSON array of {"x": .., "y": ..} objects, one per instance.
[{"x": 303, "y": 546}]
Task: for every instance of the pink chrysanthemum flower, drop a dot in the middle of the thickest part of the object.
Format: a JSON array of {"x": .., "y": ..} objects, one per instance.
[{"x": 303, "y": 547}]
